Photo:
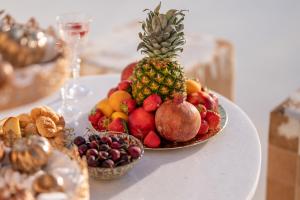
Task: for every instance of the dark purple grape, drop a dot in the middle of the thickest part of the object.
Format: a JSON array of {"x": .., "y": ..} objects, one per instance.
[
  {"x": 121, "y": 163},
  {"x": 122, "y": 141},
  {"x": 114, "y": 138},
  {"x": 94, "y": 145},
  {"x": 92, "y": 152},
  {"x": 124, "y": 146},
  {"x": 115, "y": 154},
  {"x": 82, "y": 149},
  {"x": 79, "y": 141},
  {"x": 108, "y": 164},
  {"x": 103, "y": 155},
  {"x": 106, "y": 140},
  {"x": 104, "y": 147},
  {"x": 134, "y": 151},
  {"x": 123, "y": 151},
  {"x": 115, "y": 145},
  {"x": 125, "y": 158},
  {"x": 92, "y": 161},
  {"x": 88, "y": 145},
  {"x": 94, "y": 137}
]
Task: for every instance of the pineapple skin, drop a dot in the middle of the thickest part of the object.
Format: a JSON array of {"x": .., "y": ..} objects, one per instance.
[{"x": 164, "y": 77}]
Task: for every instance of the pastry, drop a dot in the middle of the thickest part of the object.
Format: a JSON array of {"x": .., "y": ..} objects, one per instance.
[
  {"x": 49, "y": 112},
  {"x": 44, "y": 111},
  {"x": 63, "y": 176},
  {"x": 30, "y": 129},
  {"x": 47, "y": 183},
  {"x": 24, "y": 119},
  {"x": 46, "y": 126},
  {"x": 41, "y": 121},
  {"x": 2, "y": 151},
  {"x": 36, "y": 112},
  {"x": 15, "y": 193},
  {"x": 2, "y": 121},
  {"x": 11, "y": 130},
  {"x": 30, "y": 154}
]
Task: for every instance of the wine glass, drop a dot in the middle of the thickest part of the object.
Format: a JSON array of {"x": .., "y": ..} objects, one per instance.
[
  {"x": 70, "y": 113},
  {"x": 73, "y": 29}
]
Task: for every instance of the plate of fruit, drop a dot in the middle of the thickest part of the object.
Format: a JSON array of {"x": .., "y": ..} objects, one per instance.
[
  {"x": 154, "y": 101},
  {"x": 161, "y": 125}
]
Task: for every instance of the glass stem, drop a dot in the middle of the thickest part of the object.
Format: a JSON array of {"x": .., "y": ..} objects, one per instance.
[
  {"x": 75, "y": 62},
  {"x": 63, "y": 95}
]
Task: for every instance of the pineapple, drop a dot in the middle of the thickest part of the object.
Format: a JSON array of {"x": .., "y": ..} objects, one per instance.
[{"x": 159, "y": 72}]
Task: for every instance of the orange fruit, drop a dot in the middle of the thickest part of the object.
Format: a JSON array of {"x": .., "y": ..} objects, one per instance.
[
  {"x": 192, "y": 86},
  {"x": 116, "y": 99},
  {"x": 105, "y": 107},
  {"x": 121, "y": 115}
]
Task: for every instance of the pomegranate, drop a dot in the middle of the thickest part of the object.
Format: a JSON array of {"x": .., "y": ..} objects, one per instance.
[{"x": 177, "y": 121}]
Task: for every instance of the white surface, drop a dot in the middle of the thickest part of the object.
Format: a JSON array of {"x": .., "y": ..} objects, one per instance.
[
  {"x": 226, "y": 167},
  {"x": 265, "y": 34}
]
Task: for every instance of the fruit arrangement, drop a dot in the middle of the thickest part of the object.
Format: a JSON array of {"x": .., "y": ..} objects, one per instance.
[
  {"x": 110, "y": 154},
  {"x": 154, "y": 101}
]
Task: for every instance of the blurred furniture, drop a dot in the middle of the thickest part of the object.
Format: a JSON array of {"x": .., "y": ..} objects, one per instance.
[
  {"x": 32, "y": 83},
  {"x": 30, "y": 65},
  {"x": 206, "y": 58},
  {"x": 226, "y": 167},
  {"x": 284, "y": 150}
]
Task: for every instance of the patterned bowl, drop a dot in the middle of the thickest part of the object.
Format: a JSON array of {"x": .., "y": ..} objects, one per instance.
[{"x": 101, "y": 173}]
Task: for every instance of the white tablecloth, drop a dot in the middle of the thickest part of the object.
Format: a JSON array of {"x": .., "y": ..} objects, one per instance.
[{"x": 226, "y": 167}]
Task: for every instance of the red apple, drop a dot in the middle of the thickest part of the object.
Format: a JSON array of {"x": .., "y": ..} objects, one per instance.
[
  {"x": 207, "y": 100},
  {"x": 127, "y": 71},
  {"x": 141, "y": 123}
]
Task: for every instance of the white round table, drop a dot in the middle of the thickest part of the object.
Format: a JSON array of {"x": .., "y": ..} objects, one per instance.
[{"x": 226, "y": 167}]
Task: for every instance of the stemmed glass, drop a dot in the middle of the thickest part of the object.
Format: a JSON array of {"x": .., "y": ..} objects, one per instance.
[{"x": 73, "y": 29}]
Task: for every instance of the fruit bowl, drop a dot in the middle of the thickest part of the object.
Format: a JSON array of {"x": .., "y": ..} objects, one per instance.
[
  {"x": 120, "y": 166},
  {"x": 167, "y": 145},
  {"x": 154, "y": 100}
]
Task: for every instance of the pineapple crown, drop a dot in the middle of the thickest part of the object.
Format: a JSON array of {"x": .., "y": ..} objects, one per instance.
[{"x": 163, "y": 34}]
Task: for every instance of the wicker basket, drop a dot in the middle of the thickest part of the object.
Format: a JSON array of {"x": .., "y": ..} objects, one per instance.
[{"x": 82, "y": 192}]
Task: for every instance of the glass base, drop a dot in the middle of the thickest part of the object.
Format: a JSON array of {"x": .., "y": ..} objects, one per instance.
[
  {"x": 70, "y": 113},
  {"x": 76, "y": 91}
]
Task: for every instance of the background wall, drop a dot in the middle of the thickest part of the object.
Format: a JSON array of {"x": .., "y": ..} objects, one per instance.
[{"x": 265, "y": 34}]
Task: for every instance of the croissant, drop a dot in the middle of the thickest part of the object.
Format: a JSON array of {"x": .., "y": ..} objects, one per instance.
[
  {"x": 44, "y": 111},
  {"x": 46, "y": 126},
  {"x": 51, "y": 113},
  {"x": 24, "y": 119},
  {"x": 36, "y": 112},
  {"x": 30, "y": 129}
]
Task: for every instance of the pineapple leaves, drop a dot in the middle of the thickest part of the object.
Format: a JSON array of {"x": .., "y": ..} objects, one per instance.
[
  {"x": 162, "y": 34},
  {"x": 170, "y": 13},
  {"x": 163, "y": 21},
  {"x": 156, "y": 10},
  {"x": 140, "y": 46}
]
